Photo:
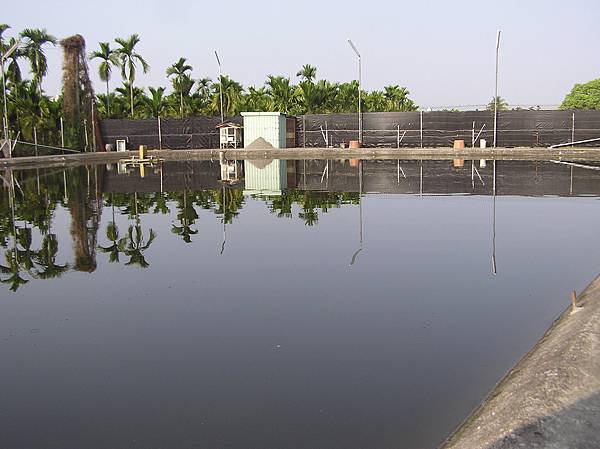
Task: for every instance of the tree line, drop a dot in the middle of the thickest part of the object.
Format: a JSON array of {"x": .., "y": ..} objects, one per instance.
[{"x": 35, "y": 114}]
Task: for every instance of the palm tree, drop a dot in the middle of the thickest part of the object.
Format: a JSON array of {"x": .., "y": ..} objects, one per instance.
[
  {"x": 156, "y": 104},
  {"x": 35, "y": 39},
  {"x": 397, "y": 99},
  {"x": 307, "y": 73},
  {"x": 3, "y": 28},
  {"x": 108, "y": 58},
  {"x": 129, "y": 59},
  {"x": 502, "y": 104},
  {"x": 232, "y": 96},
  {"x": 179, "y": 71},
  {"x": 282, "y": 93}
]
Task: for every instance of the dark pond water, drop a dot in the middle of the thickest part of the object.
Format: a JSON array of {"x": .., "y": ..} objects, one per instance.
[{"x": 309, "y": 304}]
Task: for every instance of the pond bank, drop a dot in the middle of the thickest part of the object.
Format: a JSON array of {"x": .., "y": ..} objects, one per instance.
[
  {"x": 571, "y": 154},
  {"x": 551, "y": 398}
]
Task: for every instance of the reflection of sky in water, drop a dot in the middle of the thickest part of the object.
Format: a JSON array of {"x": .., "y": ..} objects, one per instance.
[{"x": 278, "y": 342}]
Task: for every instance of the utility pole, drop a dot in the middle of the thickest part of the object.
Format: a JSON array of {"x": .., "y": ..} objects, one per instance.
[{"x": 360, "y": 127}]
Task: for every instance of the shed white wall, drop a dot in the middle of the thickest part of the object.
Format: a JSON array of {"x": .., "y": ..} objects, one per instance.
[{"x": 268, "y": 125}]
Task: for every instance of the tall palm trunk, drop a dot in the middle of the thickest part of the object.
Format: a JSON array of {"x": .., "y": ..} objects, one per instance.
[
  {"x": 131, "y": 94},
  {"x": 181, "y": 106},
  {"x": 107, "y": 99}
]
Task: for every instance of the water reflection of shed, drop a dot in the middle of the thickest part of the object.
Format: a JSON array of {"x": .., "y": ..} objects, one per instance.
[
  {"x": 230, "y": 134},
  {"x": 265, "y": 176}
]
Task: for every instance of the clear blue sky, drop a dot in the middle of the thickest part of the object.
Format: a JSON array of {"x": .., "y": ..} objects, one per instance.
[{"x": 442, "y": 51}]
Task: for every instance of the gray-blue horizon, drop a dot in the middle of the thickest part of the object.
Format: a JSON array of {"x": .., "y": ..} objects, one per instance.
[{"x": 443, "y": 52}]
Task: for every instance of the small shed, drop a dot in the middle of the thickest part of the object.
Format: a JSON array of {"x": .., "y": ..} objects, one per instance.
[
  {"x": 230, "y": 135},
  {"x": 271, "y": 126}
]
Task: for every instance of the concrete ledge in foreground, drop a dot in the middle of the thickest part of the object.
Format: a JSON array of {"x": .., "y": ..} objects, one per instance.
[{"x": 551, "y": 398}]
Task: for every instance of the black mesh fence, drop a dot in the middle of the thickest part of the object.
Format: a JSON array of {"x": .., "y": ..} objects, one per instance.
[{"x": 380, "y": 129}]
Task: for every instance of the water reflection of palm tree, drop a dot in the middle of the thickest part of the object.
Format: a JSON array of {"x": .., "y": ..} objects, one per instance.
[
  {"x": 137, "y": 245},
  {"x": 187, "y": 216},
  {"x": 46, "y": 259},
  {"x": 118, "y": 244},
  {"x": 13, "y": 269}
]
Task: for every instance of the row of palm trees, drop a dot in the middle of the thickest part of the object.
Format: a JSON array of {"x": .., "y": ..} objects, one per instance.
[{"x": 36, "y": 117}]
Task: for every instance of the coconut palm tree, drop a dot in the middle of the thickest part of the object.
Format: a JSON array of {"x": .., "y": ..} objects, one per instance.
[
  {"x": 35, "y": 39},
  {"x": 232, "y": 96},
  {"x": 3, "y": 28},
  {"x": 397, "y": 99},
  {"x": 108, "y": 58},
  {"x": 179, "y": 72},
  {"x": 282, "y": 93},
  {"x": 129, "y": 60},
  {"x": 307, "y": 73},
  {"x": 156, "y": 104}
]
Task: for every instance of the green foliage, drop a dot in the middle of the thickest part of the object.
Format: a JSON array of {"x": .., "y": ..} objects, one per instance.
[
  {"x": 583, "y": 96},
  {"x": 502, "y": 104}
]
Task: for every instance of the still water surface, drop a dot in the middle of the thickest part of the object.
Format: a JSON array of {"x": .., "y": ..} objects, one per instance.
[{"x": 301, "y": 304}]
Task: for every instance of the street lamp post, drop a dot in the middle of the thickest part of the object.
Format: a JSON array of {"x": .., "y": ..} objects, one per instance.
[
  {"x": 360, "y": 127},
  {"x": 496, "y": 90},
  {"x": 220, "y": 85}
]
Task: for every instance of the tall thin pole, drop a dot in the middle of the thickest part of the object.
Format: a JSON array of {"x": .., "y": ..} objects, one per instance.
[
  {"x": 220, "y": 86},
  {"x": 573, "y": 129},
  {"x": 5, "y": 115},
  {"x": 496, "y": 90},
  {"x": 360, "y": 124},
  {"x": 3, "y": 58}
]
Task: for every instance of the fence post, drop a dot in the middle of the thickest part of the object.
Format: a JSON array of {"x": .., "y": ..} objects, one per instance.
[
  {"x": 304, "y": 131},
  {"x": 398, "y": 139},
  {"x": 473, "y": 136},
  {"x": 421, "y": 129},
  {"x": 573, "y": 129}
]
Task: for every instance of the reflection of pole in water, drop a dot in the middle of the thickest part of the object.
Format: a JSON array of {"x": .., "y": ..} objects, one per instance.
[
  {"x": 360, "y": 228},
  {"x": 224, "y": 228},
  {"x": 421, "y": 179},
  {"x": 304, "y": 172},
  {"x": 494, "y": 221},
  {"x": 66, "y": 197},
  {"x": 161, "y": 178},
  {"x": 571, "y": 183}
]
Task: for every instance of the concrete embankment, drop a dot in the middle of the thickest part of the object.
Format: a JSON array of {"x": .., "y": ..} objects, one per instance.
[
  {"x": 571, "y": 154},
  {"x": 551, "y": 398}
]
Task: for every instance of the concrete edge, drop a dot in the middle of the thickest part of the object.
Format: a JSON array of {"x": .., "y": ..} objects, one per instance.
[
  {"x": 551, "y": 349},
  {"x": 571, "y": 154}
]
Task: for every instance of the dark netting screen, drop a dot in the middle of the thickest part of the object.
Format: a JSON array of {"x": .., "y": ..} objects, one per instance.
[{"x": 380, "y": 129}]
